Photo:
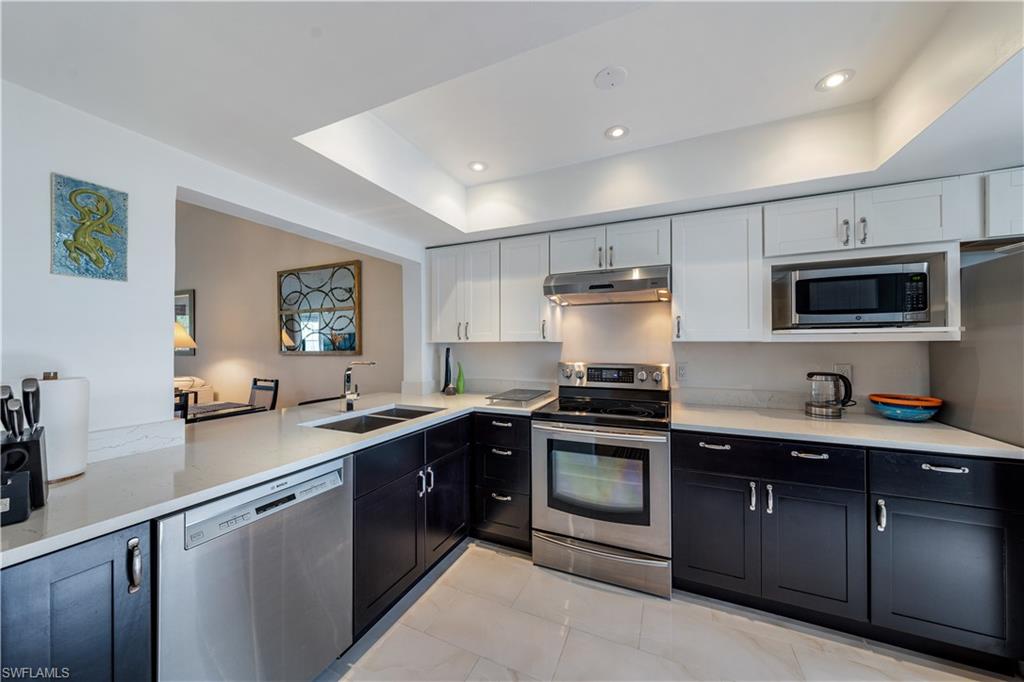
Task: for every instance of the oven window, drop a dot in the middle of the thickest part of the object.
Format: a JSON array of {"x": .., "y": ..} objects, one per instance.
[
  {"x": 602, "y": 482},
  {"x": 846, "y": 295}
]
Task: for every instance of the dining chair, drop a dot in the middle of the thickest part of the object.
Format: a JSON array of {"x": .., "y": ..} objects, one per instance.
[{"x": 264, "y": 393}]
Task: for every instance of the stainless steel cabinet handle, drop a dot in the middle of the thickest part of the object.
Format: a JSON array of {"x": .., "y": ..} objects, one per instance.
[
  {"x": 713, "y": 446},
  {"x": 753, "y": 496},
  {"x": 611, "y": 255},
  {"x": 458, "y": 331},
  {"x": 504, "y": 425},
  {"x": 600, "y": 257},
  {"x": 134, "y": 565},
  {"x": 430, "y": 486},
  {"x": 544, "y": 329},
  {"x": 771, "y": 499},
  {"x": 679, "y": 324},
  {"x": 505, "y": 453},
  {"x": 501, "y": 498},
  {"x": 467, "y": 331},
  {"x": 945, "y": 470},
  {"x": 809, "y": 455},
  {"x": 421, "y": 485},
  {"x": 846, "y": 229},
  {"x": 880, "y": 515},
  {"x": 863, "y": 230}
]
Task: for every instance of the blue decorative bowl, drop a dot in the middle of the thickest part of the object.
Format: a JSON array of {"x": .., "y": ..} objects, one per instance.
[{"x": 905, "y": 413}]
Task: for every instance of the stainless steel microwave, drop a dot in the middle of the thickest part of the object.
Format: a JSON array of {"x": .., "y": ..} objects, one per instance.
[{"x": 891, "y": 295}]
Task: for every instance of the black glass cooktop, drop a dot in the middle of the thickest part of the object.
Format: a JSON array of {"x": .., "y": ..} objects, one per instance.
[{"x": 607, "y": 411}]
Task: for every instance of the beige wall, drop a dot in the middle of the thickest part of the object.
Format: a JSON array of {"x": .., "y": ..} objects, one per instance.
[{"x": 232, "y": 264}]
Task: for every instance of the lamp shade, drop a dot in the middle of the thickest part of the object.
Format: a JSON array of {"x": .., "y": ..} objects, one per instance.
[{"x": 182, "y": 340}]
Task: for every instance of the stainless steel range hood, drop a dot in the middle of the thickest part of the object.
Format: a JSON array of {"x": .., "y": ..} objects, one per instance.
[{"x": 628, "y": 285}]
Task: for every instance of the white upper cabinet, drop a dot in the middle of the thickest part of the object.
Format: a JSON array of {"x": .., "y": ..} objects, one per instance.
[
  {"x": 823, "y": 223},
  {"x": 906, "y": 214},
  {"x": 445, "y": 285},
  {"x": 526, "y": 315},
  {"x": 578, "y": 250},
  {"x": 884, "y": 216},
  {"x": 464, "y": 293},
  {"x": 639, "y": 243},
  {"x": 1004, "y": 203},
  {"x": 717, "y": 281},
  {"x": 622, "y": 245},
  {"x": 481, "y": 292}
]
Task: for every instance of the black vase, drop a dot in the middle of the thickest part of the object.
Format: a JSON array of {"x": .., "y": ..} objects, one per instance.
[{"x": 447, "y": 369}]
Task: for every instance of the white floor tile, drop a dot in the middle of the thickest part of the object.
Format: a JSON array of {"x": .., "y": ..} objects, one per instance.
[
  {"x": 490, "y": 573},
  {"x": 586, "y": 657},
  {"x": 407, "y": 654},
  {"x": 487, "y": 670}
]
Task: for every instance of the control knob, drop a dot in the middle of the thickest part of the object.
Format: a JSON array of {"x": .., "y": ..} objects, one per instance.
[
  {"x": 641, "y": 375},
  {"x": 579, "y": 374},
  {"x": 657, "y": 377},
  {"x": 567, "y": 372}
]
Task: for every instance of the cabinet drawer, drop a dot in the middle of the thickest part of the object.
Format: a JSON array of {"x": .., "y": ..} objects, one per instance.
[
  {"x": 447, "y": 438},
  {"x": 819, "y": 464},
  {"x": 720, "y": 454},
  {"x": 961, "y": 480},
  {"x": 502, "y": 430},
  {"x": 502, "y": 468},
  {"x": 378, "y": 466},
  {"x": 502, "y": 512}
]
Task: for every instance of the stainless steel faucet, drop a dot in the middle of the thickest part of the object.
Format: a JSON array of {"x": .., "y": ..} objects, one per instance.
[{"x": 351, "y": 394}]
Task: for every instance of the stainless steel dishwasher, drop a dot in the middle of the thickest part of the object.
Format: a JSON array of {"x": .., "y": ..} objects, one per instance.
[{"x": 258, "y": 585}]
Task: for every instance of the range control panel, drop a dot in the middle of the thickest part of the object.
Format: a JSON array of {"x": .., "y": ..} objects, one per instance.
[{"x": 651, "y": 377}]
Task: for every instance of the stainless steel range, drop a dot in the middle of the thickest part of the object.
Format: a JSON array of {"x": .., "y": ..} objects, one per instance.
[{"x": 602, "y": 476}]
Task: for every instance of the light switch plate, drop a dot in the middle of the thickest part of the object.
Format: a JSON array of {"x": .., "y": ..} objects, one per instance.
[{"x": 844, "y": 368}]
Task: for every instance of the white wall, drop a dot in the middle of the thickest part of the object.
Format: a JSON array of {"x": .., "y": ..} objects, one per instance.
[
  {"x": 232, "y": 264},
  {"x": 118, "y": 334},
  {"x": 759, "y": 374}
]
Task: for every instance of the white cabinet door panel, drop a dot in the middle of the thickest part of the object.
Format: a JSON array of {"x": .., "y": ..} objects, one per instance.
[
  {"x": 717, "y": 276},
  {"x": 809, "y": 225},
  {"x": 578, "y": 250},
  {"x": 905, "y": 214},
  {"x": 481, "y": 292},
  {"x": 1005, "y": 203},
  {"x": 639, "y": 243},
  {"x": 526, "y": 315},
  {"x": 445, "y": 309}
]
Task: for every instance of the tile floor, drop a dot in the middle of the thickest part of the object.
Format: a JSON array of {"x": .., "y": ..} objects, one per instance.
[{"x": 493, "y": 615}]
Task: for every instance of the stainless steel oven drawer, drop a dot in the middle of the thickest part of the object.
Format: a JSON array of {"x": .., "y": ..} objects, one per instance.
[{"x": 598, "y": 562}]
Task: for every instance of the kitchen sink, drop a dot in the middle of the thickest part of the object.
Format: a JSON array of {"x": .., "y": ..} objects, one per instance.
[
  {"x": 361, "y": 424},
  {"x": 408, "y": 412}
]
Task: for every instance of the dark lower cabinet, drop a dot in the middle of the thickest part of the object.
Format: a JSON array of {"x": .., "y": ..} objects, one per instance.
[
  {"x": 949, "y": 572},
  {"x": 83, "y": 608},
  {"x": 716, "y": 531},
  {"x": 501, "y": 478},
  {"x": 447, "y": 503},
  {"x": 388, "y": 546},
  {"x": 814, "y": 549},
  {"x": 502, "y": 516}
]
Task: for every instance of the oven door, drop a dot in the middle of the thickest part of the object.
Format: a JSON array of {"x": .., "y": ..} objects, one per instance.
[{"x": 606, "y": 485}]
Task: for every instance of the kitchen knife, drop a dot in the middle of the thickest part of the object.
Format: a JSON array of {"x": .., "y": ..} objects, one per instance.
[
  {"x": 14, "y": 416},
  {"x": 30, "y": 401},
  {"x": 5, "y": 396}
]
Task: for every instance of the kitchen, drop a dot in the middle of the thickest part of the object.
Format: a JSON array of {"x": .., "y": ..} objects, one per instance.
[{"x": 715, "y": 337}]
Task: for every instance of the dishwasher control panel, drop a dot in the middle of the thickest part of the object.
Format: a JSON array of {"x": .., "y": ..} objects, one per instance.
[{"x": 249, "y": 509}]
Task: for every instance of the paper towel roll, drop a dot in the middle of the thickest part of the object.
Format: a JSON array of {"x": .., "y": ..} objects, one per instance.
[{"x": 64, "y": 411}]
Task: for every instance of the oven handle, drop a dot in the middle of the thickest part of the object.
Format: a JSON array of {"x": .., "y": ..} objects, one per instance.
[
  {"x": 603, "y": 434},
  {"x": 595, "y": 552}
]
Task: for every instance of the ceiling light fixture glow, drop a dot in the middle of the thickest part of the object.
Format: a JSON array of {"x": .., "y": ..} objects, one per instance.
[
  {"x": 477, "y": 166},
  {"x": 834, "y": 80},
  {"x": 616, "y": 132}
]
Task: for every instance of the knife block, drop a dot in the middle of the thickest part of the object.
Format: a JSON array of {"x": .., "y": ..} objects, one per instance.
[{"x": 31, "y": 450}]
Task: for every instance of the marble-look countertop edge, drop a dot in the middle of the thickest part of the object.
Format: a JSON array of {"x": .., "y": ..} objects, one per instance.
[
  {"x": 35, "y": 543},
  {"x": 855, "y": 429}
]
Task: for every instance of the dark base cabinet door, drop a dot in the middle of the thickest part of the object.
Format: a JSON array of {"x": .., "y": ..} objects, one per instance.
[
  {"x": 716, "y": 532},
  {"x": 79, "y": 609},
  {"x": 447, "y": 504},
  {"x": 388, "y": 546},
  {"x": 949, "y": 572},
  {"x": 814, "y": 549}
]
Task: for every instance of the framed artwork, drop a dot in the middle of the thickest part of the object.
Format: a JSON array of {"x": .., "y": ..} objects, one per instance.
[
  {"x": 319, "y": 310},
  {"x": 185, "y": 315},
  {"x": 88, "y": 229}
]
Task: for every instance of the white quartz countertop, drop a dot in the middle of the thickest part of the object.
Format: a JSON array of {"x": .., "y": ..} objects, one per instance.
[
  {"x": 865, "y": 429},
  {"x": 218, "y": 458}
]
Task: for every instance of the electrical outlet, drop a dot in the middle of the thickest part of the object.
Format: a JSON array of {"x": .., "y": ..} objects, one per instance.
[
  {"x": 844, "y": 368},
  {"x": 681, "y": 371}
]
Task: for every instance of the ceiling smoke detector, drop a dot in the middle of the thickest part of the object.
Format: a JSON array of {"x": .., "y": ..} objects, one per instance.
[{"x": 610, "y": 78}]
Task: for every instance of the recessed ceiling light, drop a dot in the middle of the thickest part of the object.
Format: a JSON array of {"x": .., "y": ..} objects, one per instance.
[
  {"x": 834, "y": 80},
  {"x": 477, "y": 166},
  {"x": 616, "y": 132}
]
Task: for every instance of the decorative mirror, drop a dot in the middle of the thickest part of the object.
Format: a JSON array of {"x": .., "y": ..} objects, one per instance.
[{"x": 319, "y": 310}]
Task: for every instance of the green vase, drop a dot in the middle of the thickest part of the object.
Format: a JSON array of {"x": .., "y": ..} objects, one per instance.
[{"x": 460, "y": 381}]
